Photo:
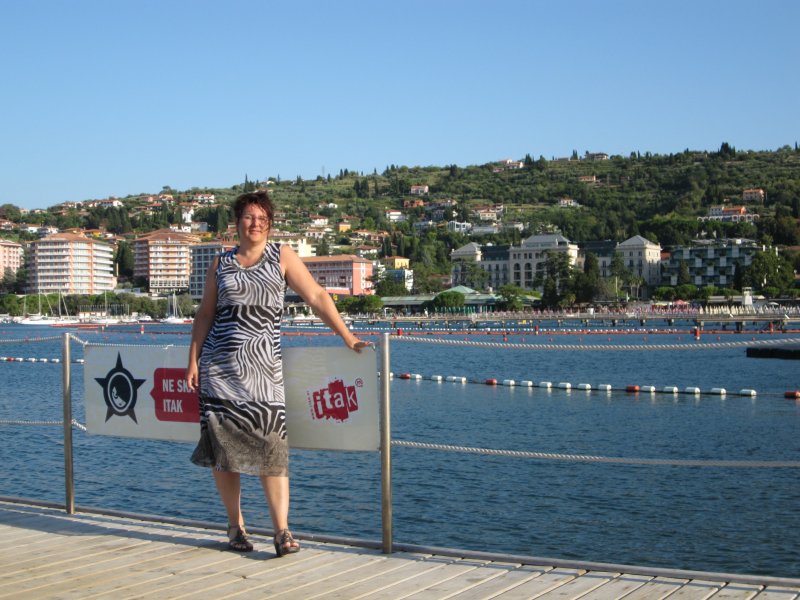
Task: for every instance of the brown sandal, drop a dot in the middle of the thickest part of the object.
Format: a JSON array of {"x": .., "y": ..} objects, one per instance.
[
  {"x": 285, "y": 543},
  {"x": 237, "y": 539}
]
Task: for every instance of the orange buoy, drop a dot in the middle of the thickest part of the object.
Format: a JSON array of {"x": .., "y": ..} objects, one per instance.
[
  {"x": 632, "y": 388},
  {"x": 491, "y": 382},
  {"x": 404, "y": 376},
  {"x": 795, "y": 394}
]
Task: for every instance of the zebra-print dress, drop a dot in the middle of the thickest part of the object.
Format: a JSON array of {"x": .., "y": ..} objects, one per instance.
[{"x": 242, "y": 412}]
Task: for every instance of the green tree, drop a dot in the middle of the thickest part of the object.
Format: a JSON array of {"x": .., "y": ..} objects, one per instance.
[
  {"x": 511, "y": 297},
  {"x": 770, "y": 269}
]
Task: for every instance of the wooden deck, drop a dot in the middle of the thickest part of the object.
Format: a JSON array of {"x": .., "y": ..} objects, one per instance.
[{"x": 47, "y": 553}]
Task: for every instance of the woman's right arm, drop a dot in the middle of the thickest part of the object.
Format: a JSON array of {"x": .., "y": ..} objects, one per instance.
[{"x": 203, "y": 320}]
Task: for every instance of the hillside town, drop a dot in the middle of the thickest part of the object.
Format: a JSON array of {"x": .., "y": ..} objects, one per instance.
[{"x": 350, "y": 260}]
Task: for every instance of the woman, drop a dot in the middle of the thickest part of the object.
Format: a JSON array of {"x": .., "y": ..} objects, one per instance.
[{"x": 235, "y": 361}]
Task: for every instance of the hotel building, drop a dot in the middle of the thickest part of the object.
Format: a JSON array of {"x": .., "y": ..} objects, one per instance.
[
  {"x": 344, "y": 274},
  {"x": 11, "y": 257},
  {"x": 71, "y": 264},
  {"x": 164, "y": 259},
  {"x": 203, "y": 255}
]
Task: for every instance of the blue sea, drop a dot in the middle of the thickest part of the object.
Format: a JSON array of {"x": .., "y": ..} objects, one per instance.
[{"x": 708, "y": 518}]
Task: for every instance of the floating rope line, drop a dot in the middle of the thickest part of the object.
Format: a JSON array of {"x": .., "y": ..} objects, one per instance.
[
  {"x": 31, "y": 340},
  {"x": 75, "y": 423},
  {"x": 622, "y": 347},
  {"x": 741, "y": 464},
  {"x": 85, "y": 343}
]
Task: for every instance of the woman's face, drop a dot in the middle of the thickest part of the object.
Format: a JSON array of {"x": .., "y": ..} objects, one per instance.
[{"x": 253, "y": 225}]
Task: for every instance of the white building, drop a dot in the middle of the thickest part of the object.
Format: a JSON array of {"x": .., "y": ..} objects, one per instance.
[
  {"x": 164, "y": 258},
  {"x": 528, "y": 260},
  {"x": 642, "y": 258},
  {"x": 710, "y": 262}
]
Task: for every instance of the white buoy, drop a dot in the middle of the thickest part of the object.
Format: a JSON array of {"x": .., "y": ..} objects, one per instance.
[
  {"x": 509, "y": 382},
  {"x": 648, "y": 388},
  {"x": 584, "y": 386},
  {"x": 565, "y": 386},
  {"x": 436, "y": 377},
  {"x": 43, "y": 360},
  {"x": 670, "y": 389},
  {"x": 692, "y": 390},
  {"x": 416, "y": 376},
  {"x": 718, "y": 391},
  {"x": 604, "y": 387},
  {"x": 545, "y": 384},
  {"x": 526, "y": 383},
  {"x": 55, "y": 360},
  {"x": 747, "y": 392}
]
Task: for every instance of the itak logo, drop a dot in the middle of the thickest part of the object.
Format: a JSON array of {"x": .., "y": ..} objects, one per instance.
[
  {"x": 336, "y": 401},
  {"x": 119, "y": 391}
]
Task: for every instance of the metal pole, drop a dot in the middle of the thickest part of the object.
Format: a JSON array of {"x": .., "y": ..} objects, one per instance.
[
  {"x": 69, "y": 482},
  {"x": 386, "y": 447}
]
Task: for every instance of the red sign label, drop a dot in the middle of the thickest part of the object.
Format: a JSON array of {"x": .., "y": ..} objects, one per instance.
[
  {"x": 336, "y": 401},
  {"x": 174, "y": 400}
]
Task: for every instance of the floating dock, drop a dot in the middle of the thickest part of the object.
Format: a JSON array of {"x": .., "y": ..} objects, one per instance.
[{"x": 48, "y": 553}]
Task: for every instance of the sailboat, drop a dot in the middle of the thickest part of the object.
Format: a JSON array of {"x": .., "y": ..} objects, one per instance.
[
  {"x": 174, "y": 316},
  {"x": 36, "y": 318}
]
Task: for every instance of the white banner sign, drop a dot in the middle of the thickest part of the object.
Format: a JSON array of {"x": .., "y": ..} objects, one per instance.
[{"x": 140, "y": 392}]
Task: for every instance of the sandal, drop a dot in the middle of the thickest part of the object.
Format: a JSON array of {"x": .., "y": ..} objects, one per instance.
[
  {"x": 237, "y": 539},
  {"x": 285, "y": 543}
]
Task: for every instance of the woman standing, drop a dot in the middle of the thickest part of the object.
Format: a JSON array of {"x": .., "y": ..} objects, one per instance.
[{"x": 235, "y": 361}]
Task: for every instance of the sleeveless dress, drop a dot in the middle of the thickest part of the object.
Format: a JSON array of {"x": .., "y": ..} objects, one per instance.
[{"x": 242, "y": 410}]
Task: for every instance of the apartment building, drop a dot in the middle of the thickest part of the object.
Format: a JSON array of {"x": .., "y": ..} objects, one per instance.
[
  {"x": 164, "y": 258},
  {"x": 202, "y": 255},
  {"x": 710, "y": 262},
  {"x": 345, "y": 274},
  {"x": 70, "y": 263},
  {"x": 11, "y": 257}
]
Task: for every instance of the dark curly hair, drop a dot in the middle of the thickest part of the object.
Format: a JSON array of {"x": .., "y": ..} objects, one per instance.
[{"x": 260, "y": 198}]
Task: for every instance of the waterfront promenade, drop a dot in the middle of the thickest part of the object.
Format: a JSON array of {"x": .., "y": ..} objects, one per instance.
[{"x": 47, "y": 553}]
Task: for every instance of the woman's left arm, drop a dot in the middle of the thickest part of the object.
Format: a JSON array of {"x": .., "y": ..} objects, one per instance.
[{"x": 301, "y": 281}]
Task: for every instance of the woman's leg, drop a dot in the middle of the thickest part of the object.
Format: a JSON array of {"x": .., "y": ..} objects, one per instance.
[
  {"x": 229, "y": 488},
  {"x": 276, "y": 489}
]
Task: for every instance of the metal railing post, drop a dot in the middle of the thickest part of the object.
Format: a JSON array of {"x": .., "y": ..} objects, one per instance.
[
  {"x": 386, "y": 447},
  {"x": 69, "y": 482}
]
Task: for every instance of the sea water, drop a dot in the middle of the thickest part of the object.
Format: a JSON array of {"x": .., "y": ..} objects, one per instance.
[{"x": 708, "y": 518}]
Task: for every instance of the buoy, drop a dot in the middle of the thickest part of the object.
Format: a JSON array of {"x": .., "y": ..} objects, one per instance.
[
  {"x": 436, "y": 377},
  {"x": 585, "y": 386},
  {"x": 509, "y": 382},
  {"x": 404, "y": 376},
  {"x": 631, "y": 388},
  {"x": 670, "y": 389},
  {"x": 545, "y": 384},
  {"x": 604, "y": 387},
  {"x": 718, "y": 391},
  {"x": 648, "y": 388},
  {"x": 526, "y": 383},
  {"x": 692, "y": 390},
  {"x": 747, "y": 392},
  {"x": 491, "y": 381},
  {"x": 565, "y": 386},
  {"x": 792, "y": 394}
]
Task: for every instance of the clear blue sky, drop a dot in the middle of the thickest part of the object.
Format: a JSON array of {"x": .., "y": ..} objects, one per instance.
[{"x": 109, "y": 98}]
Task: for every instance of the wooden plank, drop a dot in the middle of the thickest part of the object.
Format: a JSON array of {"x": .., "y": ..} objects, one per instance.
[
  {"x": 425, "y": 581},
  {"x": 586, "y": 583},
  {"x": 696, "y": 590},
  {"x": 541, "y": 584},
  {"x": 461, "y": 584},
  {"x": 619, "y": 587},
  {"x": 335, "y": 564},
  {"x": 779, "y": 593},
  {"x": 656, "y": 589},
  {"x": 492, "y": 587},
  {"x": 347, "y": 582},
  {"x": 411, "y": 566},
  {"x": 737, "y": 591}
]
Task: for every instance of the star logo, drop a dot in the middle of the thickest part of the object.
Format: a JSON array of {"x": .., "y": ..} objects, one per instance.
[{"x": 119, "y": 391}]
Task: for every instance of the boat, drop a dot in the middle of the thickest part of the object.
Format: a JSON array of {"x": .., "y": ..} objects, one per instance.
[{"x": 174, "y": 316}]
